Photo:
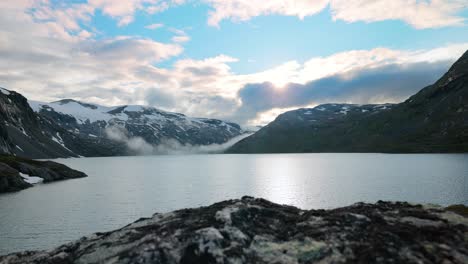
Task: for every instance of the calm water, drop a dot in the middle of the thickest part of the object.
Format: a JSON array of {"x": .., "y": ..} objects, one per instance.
[{"x": 122, "y": 189}]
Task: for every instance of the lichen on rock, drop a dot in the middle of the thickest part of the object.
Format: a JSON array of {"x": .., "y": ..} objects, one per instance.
[{"x": 252, "y": 230}]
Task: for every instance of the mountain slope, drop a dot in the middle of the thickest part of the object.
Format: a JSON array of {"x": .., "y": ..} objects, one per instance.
[
  {"x": 24, "y": 133},
  {"x": 433, "y": 120}
]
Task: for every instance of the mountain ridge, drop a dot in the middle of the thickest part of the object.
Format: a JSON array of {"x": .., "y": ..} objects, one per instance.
[{"x": 433, "y": 120}]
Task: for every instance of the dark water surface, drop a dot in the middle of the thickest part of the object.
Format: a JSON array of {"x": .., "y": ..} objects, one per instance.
[{"x": 120, "y": 190}]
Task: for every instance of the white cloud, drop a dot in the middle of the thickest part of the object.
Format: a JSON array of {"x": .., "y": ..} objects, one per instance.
[
  {"x": 154, "y": 26},
  {"x": 180, "y": 39},
  {"x": 242, "y": 10},
  {"x": 121, "y": 10},
  {"x": 124, "y": 10},
  {"x": 47, "y": 57},
  {"x": 180, "y": 35},
  {"x": 419, "y": 14}
]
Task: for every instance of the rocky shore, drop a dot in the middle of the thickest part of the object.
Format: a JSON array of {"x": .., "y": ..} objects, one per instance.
[
  {"x": 19, "y": 173},
  {"x": 253, "y": 230}
]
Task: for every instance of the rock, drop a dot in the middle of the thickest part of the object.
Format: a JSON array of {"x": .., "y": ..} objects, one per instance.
[
  {"x": 253, "y": 230},
  {"x": 26, "y": 133},
  {"x": 11, "y": 167},
  {"x": 10, "y": 180},
  {"x": 459, "y": 209}
]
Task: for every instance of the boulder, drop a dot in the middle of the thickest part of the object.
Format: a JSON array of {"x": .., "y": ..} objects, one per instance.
[{"x": 10, "y": 180}]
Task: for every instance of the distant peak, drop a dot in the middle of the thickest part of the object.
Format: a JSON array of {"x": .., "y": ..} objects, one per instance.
[
  {"x": 459, "y": 68},
  {"x": 117, "y": 110},
  {"x": 5, "y": 91},
  {"x": 67, "y": 101}
]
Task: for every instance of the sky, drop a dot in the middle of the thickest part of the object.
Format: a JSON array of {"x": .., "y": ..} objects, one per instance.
[{"x": 240, "y": 60}]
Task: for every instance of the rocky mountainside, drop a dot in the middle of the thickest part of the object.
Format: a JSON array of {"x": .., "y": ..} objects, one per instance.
[
  {"x": 257, "y": 231},
  {"x": 433, "y": 120},
  {"x": 24, "y": 133},
  {"x": 19, "y": 173},
  {"x": 69, "y": 128}
]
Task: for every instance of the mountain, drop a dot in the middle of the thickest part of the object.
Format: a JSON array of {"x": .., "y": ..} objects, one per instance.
[
  {"x": 69, "y": 128},
  {"x": 24, "y": 133},
  {"x": 433, "y": 120},
  {"x": 151, "y": 124}
]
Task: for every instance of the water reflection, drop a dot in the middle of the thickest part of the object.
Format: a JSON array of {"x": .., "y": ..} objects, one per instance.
[{"x": 122, "y": 189}]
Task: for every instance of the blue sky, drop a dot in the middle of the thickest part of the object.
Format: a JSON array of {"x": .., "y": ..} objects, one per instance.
[
  {"x": 285, "y": 37},
  {"x": 205, "y": 56}
]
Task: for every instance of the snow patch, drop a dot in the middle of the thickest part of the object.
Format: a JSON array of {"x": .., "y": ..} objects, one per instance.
[
  {"x": 225, "y": 215},
  {"x": 134, "y": 108},
  {"x": 59, "y": 140},
  {"x": 31, "y": 179},
  {"x": 4, "y": 91}
]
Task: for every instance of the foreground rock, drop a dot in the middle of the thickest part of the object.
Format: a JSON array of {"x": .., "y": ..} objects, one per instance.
[
  {"x": 19, "y": 173},
  {"x": 257, "y": 231}
]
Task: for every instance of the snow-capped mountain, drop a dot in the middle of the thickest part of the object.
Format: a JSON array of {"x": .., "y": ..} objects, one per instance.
[
  {"x": 151, "y": 124},
  {"x": 71, "y": 128}
]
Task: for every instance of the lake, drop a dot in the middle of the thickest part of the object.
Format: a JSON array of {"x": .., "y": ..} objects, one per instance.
[{"x": 120, "y": 190}]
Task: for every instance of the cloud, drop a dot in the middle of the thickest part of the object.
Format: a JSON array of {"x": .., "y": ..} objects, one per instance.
[
  {"x": 124, "y": 10},
  {"x": 46, "y": 60},
  {"x": 167, "y": 146},
  {"x": 154, "y": 26},
  {"x": 419, "y": 14},
  {"x": 240, "y": 10},
  {"x": 384, "y": 84},
  {"x": 135, "y": 144},
  {"x": 173, "y": 147},
  {"x": 180, "y": 37},
  {"x": 129, "y": 50}
]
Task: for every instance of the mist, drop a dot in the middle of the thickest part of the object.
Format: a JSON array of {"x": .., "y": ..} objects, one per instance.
[
  {"x": 134, "y": 144},
  {"x": 167, "y": 146}
]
